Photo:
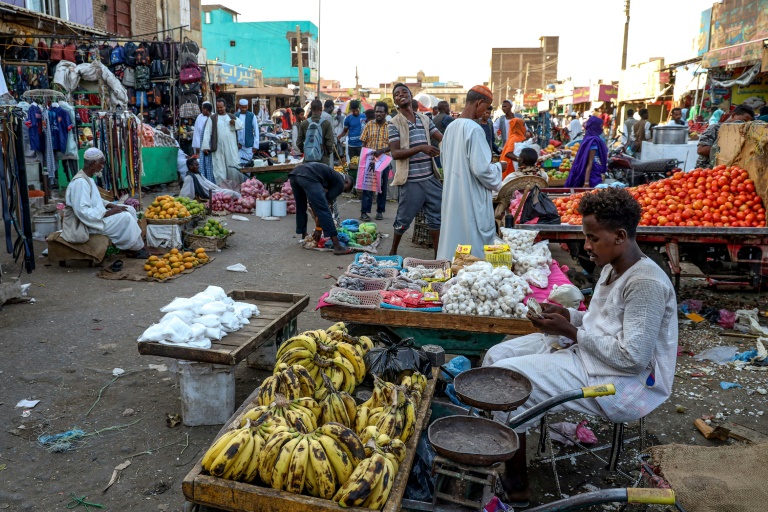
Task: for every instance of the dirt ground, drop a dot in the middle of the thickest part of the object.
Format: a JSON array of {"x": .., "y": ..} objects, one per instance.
[{"x": 62, "y": 350}]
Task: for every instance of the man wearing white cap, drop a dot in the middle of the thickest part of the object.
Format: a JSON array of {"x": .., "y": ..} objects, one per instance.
[
  {"x": 87, "y": 213},
  {"x": 220, "y": 141},
  {"x": 248, "y": 137}
]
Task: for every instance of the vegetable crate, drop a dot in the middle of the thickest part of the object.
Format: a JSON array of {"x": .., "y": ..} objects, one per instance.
[
  {"x": 238, "y": 496},
  {"x": 209, "y": 243}
]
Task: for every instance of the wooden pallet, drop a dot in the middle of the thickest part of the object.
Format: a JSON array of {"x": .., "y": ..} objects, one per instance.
[
  {"x": 240, "y": 497},
  {"x": 276, "y": 311}
]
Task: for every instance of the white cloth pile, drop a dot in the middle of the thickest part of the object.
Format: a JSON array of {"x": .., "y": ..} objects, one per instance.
[
  {"x": 68, "y": 75},
  {"x": 195, "y": 321},
  {"x": 480, "y": 289},
  {"x": 531, "y": 261}
]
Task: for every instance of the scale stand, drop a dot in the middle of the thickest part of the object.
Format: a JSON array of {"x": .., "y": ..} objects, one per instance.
[{"x": 459, "y": 478}]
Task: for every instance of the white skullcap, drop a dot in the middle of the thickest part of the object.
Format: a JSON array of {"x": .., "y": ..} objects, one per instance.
[
  {"x": 93, "y": 154},
  {"x": 243, "y": 102}
]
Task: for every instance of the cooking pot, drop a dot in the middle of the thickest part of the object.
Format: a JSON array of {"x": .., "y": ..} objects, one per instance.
[{"x": 670, "y": 134}]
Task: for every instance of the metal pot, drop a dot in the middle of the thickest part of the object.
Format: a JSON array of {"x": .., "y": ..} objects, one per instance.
[{"x": 670, "y": 134}]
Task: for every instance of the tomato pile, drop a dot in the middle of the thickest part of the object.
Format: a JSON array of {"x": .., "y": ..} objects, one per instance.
[{"x": 719, "y": 197}]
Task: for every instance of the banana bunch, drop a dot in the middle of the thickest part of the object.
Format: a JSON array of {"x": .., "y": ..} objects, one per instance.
[
  {"x": 393, "y": 449},
  {"x": 414, "y": 385},
  {"x": 315, "y": 351},
  {"x": 338, "y": 333},
  {"x": 396, "y": 419},
  {"x": 337, "y": 406},
  {"x": 295, "y": 460},
  {"x": 304, "y": 409},
  {"x": 371, "y": 482},
  {"x": 291, "y": 381}
]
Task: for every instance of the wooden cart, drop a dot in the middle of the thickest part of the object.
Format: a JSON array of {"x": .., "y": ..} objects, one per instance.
[
  {"x": 278, "y": 313},
  {"x": 271, "y": 176},
  {"x": 457, "y": 334},
  {"x": 240, "y": 497}
]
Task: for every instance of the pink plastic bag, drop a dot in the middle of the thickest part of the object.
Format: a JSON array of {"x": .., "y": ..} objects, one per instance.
[{"x": 727, "y": 319}]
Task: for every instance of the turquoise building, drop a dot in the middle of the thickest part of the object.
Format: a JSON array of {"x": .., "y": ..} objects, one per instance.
[{"x": 266, "y": 45}]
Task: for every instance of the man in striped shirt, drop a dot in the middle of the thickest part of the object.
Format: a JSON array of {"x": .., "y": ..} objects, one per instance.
[
  {"x": 376, "y": 137},
  {"x": 415, "y": 173}
]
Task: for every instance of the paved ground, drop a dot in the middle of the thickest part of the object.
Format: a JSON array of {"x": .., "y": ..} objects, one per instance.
[{"x": 62, "y": 350}]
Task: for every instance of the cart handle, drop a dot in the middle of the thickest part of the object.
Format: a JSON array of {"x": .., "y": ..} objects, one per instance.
[
  {"x": 601, "y": 390},
  {"x": 647, "y": 496},
  {"x": 576, "y": 394}
]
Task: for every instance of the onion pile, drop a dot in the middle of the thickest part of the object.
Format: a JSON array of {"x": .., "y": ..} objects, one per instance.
[
  {"x": 287, "y": 192},
  {"x": 220, "y": 202},
  {"x": 255, "y": 189},
  {"x": 245, "y": 204}
]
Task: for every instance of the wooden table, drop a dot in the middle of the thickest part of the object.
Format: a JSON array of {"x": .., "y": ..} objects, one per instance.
[
  {"x": 241, "y": 497},
  {"x": 457, "y": 334},
  {"x": 278, "y": 313}
]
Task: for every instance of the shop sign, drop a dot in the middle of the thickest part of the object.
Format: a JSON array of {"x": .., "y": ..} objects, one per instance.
[
  {"x": 718, "y": 94},
  {"x": 733, "y": 55},
  {"x": 754, "y": 95},
  {"x": 234, "y": 75},
  {"x": 738, "y": 21},
  {"x": 531, "y": 100},
  {"x": 664, "y": 77},
  {"x": 580, "y": 95},
  {"x": 604, "y": 92},
  {"x": 705, "y": 28}
]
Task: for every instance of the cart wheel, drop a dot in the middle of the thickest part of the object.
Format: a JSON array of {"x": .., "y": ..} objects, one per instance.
[{"x": 658, "y": 258}]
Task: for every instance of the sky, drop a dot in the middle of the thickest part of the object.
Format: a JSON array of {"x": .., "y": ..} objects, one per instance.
[{"x": 453, "y": 39}]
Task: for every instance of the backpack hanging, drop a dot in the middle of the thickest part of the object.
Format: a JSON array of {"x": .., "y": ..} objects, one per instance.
[
  {"x": 142, "y": 56},
  {"x": 159, "y": 69},
  {"x": 143, "y": 82},
  {"x": 81, "y": 54},
  {"x": 70, "y": 52},
  {"x": 129, "y": 77},
  {"x": 131, "y": 93},
  {"x": 57, "y": 51},
  {"x": 189, "y": 46},
  {"x": 117, "y": 56},
  {"x": 171, "y": 49},
  {"x": 190, "y": 73},
  {"x": 156, "y": 49},
  {"x": 129, "y": 53},
  {"x": 43, "y": 52},
  {"x": 105, "y": 54}
]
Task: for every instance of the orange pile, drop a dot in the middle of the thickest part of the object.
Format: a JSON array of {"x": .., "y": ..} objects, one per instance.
[
  {"x": 719, "y": 197},
  {"x": 166, "y": 207},
  {"x": 174, "y": 262}
]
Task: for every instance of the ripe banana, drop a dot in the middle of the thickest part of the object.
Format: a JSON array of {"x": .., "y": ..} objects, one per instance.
[
  {"x": 361, "y": 419},
  {"x": 348, "y": 352},
  {"x": 337, "y": 458},
  {"x": 252, "y": 469},
  {"x": 235, "y": 472},
  {"x": 280, "y": 473},
  {"x": 383, "y": 487},
  {"x": 297, "y": 469},
  {"x": 409, "y": 411},
  {"x": 216, "y": 448},
  {"x": 322, "y": 470},
  {"x": 301, "y": 342},
  {"x": 357, "y": 489},
  {"x": 269, "y": 453},
  {"x": 229, "y": 455},
  {"x": 347, "y": 440},
  {"x": 338, "y": 326}
]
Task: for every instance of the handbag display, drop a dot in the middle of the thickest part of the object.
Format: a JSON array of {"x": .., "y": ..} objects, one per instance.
[
  {"x": 43, "y": 52},
  {"x": 189, "y": 46},
  {"x": 70, "y": 52},
  {"x": 189, "y": 110},
  {"x": 57, "y": 51},
  {"x": 156, "y": 49},
  {"x": 129, "y": 77},
  {"x": 193, "y": 88},
  {"x": 159, "y": 69},
  {"x": 190, "y": 73}
]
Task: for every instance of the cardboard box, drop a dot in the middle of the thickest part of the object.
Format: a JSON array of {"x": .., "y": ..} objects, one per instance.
[{"x": 746, "y": 145}]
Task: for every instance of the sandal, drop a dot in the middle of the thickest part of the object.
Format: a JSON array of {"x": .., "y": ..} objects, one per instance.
[
  {"x": 141, "y": 254},
  {"x": 117, "y": 266}
]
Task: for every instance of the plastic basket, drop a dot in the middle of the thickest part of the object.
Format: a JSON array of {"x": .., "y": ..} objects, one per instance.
[
  {"x": 169, "y": 222},
  {"x": 421, "y": 234},
  {"x": 395, "y": 258},
  {"x": 389, "y": 273},
  {"x": 384, "y": 305},
  {"x": 368, "y": 300},
  {"x": 369, "y": 285},
  {"x": 428, "y": 264}
]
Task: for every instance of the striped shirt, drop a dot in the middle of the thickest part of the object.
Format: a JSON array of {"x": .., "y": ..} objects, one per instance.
[
  {"x": 375, "y": 135},
  {"x": 420, "y": 164}
]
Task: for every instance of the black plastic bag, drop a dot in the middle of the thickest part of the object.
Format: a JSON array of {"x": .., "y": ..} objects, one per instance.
[
  {"x": 395, "y": 357},
  {"x": 421, "y": 481},
  {"x": 538, "y": 204}
]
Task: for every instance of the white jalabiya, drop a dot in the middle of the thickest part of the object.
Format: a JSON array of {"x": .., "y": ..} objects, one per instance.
[
  {"x": 246, "y": 153},
  {"x": 226, "y": 160},
  {"x": 197, "y": 134},
  {"x": 122, "y": 228},
  {"x": 469, "y": 179},
  {"x": 628, "y": 338}
]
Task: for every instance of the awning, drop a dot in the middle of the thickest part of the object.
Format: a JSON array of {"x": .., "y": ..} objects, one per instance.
[
  {"x": 733, "y": 55},
  {"x": 57, "y": 25},
  {"x": 262, "y": 91}
]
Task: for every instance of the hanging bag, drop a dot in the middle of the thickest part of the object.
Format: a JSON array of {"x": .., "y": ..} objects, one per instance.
[
  {"x": 189, "y": 46},
  {"x": 143, "y": 81},
  {"x": 156, "y": 49},
  {"x": 117, "y": 56},
  {"x": 57, "y": 51},
  {"x": 81, "y": 54},
  {"x": 70, "y": 52},
  {"x": 129, "y": 77},
  {"x": 43, "y": 52},
  {"x": 105, "y": 54},
  {"x": 189, "y": 110},
  {"x": 190, "y": 73},
  {"x": 129, "y": 53},
  {"x": 142, "y": 56},
  {"x": 159, "y": 69}
]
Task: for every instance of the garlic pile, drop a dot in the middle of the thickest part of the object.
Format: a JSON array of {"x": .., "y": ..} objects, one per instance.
[
  {"x": 531, "y": 261},
  {"x": 482, "y": 290}
]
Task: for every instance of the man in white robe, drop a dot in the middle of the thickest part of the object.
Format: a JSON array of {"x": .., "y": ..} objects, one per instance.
[
  {"x": 85, "y": 207},
  {"x": 195, "y": 185},
  {"x": 469, "y": 180},
  {"x": 248, "y": 137},
  {"x": 220, "y": 141},
  {"x": 199, "y": 129}
]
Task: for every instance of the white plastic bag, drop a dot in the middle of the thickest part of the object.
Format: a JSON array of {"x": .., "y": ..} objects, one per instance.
[
  {"x": 567, "y": 295},
  {"x": 230, "y": 322},
  {"x": 216, "y": 292},
  {"x": 209, "y": 321},
  {"x": 177, "y": 331},
  {"x": 184, "y": 314},
  {"x": 213, "y": 308},
  {"x": 178, "y": 304}
]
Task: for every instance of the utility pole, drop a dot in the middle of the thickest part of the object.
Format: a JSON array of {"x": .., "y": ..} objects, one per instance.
[
  {"x": 626, "y": 36},
  {"x": 357, "y": 84},
  {"x": 319, "y": 15},
  {"x": 527, "y": 69},
  {"x": 506, "y": 92},
  {"x": 300, "y": 60}
]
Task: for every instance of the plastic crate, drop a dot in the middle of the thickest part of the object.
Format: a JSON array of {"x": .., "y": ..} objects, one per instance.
[
  {"x": 368, "y": 300},
  {"x": 389, "y": 273},
  {"x": 397, "y": 259},
  {"x": 428, "y": 264}
]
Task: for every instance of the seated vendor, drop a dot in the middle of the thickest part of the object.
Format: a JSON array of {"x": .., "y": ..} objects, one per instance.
[
  {"x": 87, "y": 213},
  {"x": 195, "y": 184},
  {"x": 526, "y": 167},
  {"x": 627, "y": 338}
]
